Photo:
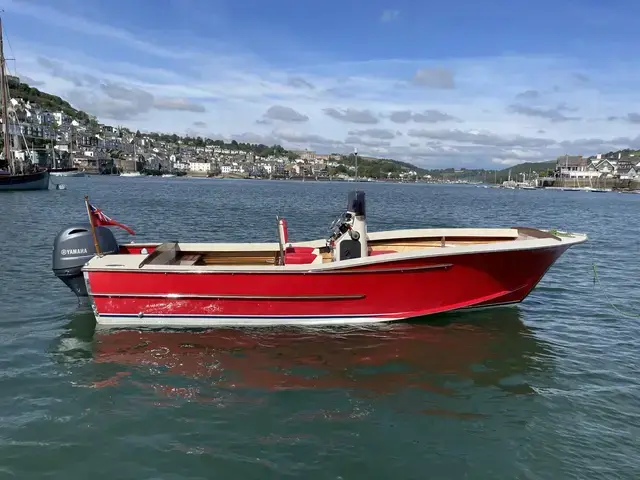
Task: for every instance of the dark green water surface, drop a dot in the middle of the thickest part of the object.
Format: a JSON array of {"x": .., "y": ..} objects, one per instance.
[{"x": 548, "y": 389}]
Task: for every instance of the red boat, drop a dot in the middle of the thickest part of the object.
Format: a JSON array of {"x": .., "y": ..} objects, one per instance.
[{"x": 354, "y": 276}]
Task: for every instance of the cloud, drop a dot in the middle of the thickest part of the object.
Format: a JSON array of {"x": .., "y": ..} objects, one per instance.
[
  {"x": 581, "y": 77},
  {"x": 389, "y": 16},
  {"x": 352, "y": 115},
  {"x": 484, "y": 138},
  {"x": 178, "y": 104},
  {"x": 57, "y": 69},
  {"x": 30, "y": 81},
  {"x": 631, "y": 118},
  {"x": 552, "y": 114},
  {"x": 355, "y": 141},
  {"x": 506, "y": 162},
  {"x": 304, "y": 138},
  {"x": 81, "y": 25},
  {"x": 104, "y": 108},
  {"x": 142, "y": 99},
  {"x": 299, "y": 82},
  {"x": 528, "y": 95},
  {"x": 434, "y": 78},
  {"x": 375, "y": 133},
  {"x": 428, "y": 116},
  {"x": 117, "y": 101},
  {"x": 284, "y": 114},
  {"x": 248, "y": 137},
  {"x": 454, "y": 111}
]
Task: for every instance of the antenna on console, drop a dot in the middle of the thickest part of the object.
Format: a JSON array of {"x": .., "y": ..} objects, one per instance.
[{"x": 355, "y": 152}]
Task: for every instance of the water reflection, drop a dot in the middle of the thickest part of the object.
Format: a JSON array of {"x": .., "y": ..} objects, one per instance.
[{"x": 488, "y": 348}]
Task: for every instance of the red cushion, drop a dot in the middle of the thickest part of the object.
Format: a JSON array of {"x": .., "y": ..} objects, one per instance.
[
  {"x": 292, "y": 249},
  {"x": 381, "y": 252},
  {"x": 298, "y": 258}
]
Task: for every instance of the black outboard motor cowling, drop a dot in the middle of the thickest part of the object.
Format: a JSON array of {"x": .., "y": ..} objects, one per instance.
[{"x": 73, "y": 247}]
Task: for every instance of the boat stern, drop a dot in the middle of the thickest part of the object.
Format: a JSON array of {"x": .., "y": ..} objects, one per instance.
[{"x": 87, "y": 283}]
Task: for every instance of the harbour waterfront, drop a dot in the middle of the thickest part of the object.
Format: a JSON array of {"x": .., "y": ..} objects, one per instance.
[{"x": 547, "y": 389}]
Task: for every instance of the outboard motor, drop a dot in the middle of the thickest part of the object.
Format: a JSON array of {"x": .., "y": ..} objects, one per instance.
[
  {"x": 73, "y": 247},
  {"x": 351, "y": 235}
]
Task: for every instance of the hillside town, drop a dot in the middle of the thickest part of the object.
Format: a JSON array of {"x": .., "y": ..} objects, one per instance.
[
  {"x": 619, "y": 169},
  {"x": 61, "y": 137},
  {"x": 68, "y": 139},
  {"x": 624, "y": 165}
]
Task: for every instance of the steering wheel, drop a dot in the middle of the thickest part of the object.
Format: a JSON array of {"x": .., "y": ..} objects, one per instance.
[{"x": 335, "y": 225}]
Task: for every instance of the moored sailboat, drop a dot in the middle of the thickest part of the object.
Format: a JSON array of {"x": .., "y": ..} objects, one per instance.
[{"x": 15, "y": 173}]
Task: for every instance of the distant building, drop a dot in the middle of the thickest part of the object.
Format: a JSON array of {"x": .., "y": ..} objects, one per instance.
[
  {"x": 306, "y": 155},
  {"x": 573, "y": 166},
  {"x": 199, "y": 167},
  {"x": 61, "y": 118}
]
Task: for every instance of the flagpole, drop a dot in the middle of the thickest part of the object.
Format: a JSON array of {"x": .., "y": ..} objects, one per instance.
[{"x": 93, "y": 228}]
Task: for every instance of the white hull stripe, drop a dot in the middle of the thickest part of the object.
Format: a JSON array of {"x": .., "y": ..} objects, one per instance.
[
  {"x": 205, "y": 321},
  {"x": 185, "y": 320},
  {"x": 213, "y": 317}
]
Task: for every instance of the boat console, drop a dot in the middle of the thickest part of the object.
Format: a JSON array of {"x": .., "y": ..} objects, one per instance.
[{"x": 348, "y": 237}]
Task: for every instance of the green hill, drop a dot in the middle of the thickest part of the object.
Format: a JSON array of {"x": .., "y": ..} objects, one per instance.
[
  {"x": 627, "y": 152},
  {"x": 46, "y": 100},
  {"x": 375, "y": 167},
  {"x": 543, "y": 169}
]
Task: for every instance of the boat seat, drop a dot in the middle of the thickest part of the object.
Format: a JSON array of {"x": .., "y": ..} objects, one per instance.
[
  {"x": 299, "y": 258},
  {"x": 284, "y": 239},
  {"x": 292, "y": 249},
  {"x": 291, "y": 254},
  {"x": 189, "y": 259}
]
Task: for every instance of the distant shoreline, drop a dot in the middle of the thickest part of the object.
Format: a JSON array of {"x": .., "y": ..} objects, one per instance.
[{"x": 324, "y": 179}]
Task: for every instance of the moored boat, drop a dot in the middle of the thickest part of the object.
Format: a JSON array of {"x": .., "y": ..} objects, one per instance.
[
  {"x": 37, "y": 179},
  {"x": 354, "y": 276},
  {"x": 15, "y": 173},
  {"x": 66, "y": 172}
]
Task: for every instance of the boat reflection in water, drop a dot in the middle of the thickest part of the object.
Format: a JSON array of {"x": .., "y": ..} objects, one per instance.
[{"x": 489, "y": 348}]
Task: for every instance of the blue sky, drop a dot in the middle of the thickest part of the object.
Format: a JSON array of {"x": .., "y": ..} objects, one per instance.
[{"x": 457, "y": 83}]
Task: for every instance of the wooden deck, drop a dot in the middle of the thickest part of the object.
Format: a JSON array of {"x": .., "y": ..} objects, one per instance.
[{"x": 266, "y": 256}]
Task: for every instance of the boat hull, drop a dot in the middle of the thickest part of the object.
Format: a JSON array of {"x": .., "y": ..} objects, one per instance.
[
  {"x": 380, "y": 292},
  {"x": 31, "y": 181},
  {"x": 67, "y": 173}
]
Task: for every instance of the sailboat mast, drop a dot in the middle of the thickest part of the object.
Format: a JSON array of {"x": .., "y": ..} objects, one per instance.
[{"x": 5, "y": 94}]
